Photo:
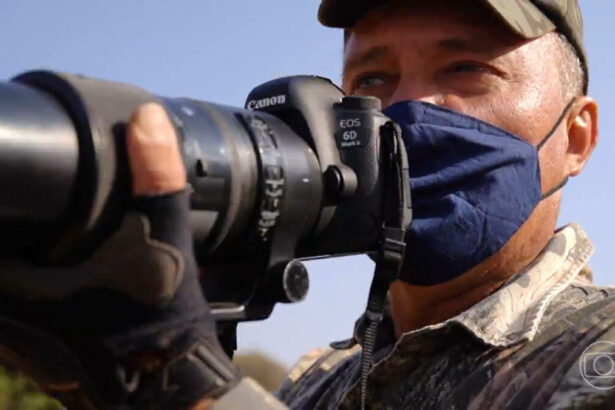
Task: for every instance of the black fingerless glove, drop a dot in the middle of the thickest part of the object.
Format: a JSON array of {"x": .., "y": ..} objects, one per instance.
[{"x": 129, "y": 328}]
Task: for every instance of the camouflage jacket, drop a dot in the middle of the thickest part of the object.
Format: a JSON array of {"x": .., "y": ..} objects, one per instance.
[{"x": 543, "y": 340}]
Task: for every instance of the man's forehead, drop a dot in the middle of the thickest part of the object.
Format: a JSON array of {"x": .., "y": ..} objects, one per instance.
[{"x": 431, "y": 28}]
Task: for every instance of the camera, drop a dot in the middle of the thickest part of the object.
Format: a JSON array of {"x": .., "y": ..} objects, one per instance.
[{"x": 301, "y": 172}]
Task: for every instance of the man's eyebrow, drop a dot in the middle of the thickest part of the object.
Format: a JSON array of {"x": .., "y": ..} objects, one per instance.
[
  {"x": 475, "y": 44},
  {"x": 366, "y": 57}
]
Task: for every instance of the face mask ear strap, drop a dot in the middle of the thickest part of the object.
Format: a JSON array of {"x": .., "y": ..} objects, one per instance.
[
  {"x": 554, "y": 189},
  {"x": 557, "y": 124}
]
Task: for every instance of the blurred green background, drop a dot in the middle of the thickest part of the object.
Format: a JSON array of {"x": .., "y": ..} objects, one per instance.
[{"x": 19, "y": 393}]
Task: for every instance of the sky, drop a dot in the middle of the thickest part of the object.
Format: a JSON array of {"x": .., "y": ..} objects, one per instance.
[{"x": 218, "y": 51}]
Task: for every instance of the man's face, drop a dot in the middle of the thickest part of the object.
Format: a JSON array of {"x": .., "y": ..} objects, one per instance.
[{"x": 458, "y": 54}]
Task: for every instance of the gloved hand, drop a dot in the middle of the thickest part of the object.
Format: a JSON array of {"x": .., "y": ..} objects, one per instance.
[{"x": 130, "y": 327}]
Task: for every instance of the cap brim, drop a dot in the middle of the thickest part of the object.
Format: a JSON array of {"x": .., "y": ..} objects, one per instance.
[
  {"x": 343, "y": 13},
  {"x": 521, "y": 16}
]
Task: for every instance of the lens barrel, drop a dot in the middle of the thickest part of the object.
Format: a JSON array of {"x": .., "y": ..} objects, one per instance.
[
  {"x": 38, "y": 166},
  {"x": 65, "y": 177}
]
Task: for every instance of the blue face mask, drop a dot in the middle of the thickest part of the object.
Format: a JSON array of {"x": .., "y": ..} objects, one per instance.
[{"x": 473, "y": 185}]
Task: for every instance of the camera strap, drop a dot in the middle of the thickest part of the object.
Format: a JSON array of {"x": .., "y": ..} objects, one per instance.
[{"x": 397, "y": 215}]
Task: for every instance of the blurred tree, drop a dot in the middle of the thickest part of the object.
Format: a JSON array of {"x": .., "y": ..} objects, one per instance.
[{"x": 18, "y": 393}]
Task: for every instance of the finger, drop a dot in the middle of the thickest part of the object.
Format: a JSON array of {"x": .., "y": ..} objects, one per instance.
[{"x": 155, "y": 160}]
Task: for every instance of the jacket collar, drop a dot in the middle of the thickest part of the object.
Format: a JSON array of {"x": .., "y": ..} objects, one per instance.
[{"x": 514, "y": 312}]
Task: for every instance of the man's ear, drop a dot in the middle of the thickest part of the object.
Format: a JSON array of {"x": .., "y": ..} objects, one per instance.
[{"x": 582, "y": 134}]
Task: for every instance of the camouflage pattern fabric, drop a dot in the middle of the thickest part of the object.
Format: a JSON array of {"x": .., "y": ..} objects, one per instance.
[{"x": 520, "y": 348}]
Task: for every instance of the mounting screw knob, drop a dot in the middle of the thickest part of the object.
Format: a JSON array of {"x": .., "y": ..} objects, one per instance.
[
  {"x": 340, "y": 181},
  {"x": 289, "y": 282}
]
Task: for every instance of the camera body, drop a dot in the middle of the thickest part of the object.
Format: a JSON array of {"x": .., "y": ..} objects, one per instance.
[
  {"x": 296, "y": 174},
  {"x": 332, "y": 209}
]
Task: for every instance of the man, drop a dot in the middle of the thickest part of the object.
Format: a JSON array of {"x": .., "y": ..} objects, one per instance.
[
  {"x": 492, "y": 336},
  {"x": 493, "y": 308}
]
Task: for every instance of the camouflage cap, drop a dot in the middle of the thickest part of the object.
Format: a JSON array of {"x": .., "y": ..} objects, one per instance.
[{"x": 527, "y": 18}]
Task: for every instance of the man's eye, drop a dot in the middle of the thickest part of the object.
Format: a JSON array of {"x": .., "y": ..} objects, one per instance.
[
  {"x": 368, "y": 81},
  {"x": 469, "y": 67}
]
